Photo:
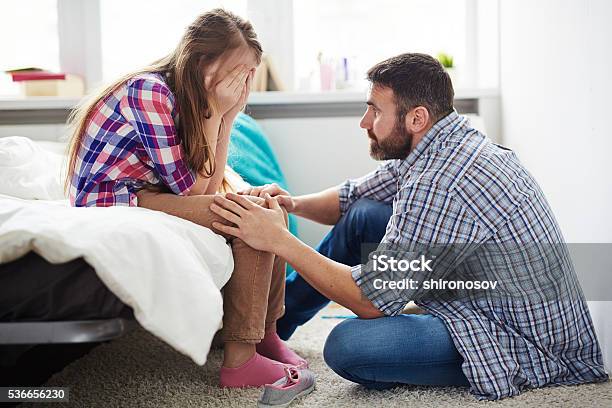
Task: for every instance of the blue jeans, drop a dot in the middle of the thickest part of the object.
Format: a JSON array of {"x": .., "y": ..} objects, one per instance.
[
  {"x": 406, "y": 349},
  {"x": 364, "y": 222}
]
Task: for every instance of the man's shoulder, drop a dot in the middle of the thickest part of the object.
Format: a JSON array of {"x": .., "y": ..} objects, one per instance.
[
  {"x": 449, "y": 159},
  {"x": 458, "y": 157},
  {"x": 495, "y": 186},
  {"x": 483, "y": 177}
]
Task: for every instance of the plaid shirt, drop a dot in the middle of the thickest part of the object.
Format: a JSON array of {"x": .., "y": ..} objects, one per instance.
[
  {"x": 130, "y": 140},
  {"x": 459, "y": 187}
]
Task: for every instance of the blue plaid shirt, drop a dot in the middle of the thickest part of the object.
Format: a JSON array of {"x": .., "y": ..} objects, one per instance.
[{"x": 459, "y": 187}]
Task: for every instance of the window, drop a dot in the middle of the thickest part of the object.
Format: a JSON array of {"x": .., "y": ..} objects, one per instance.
[
  {"x": 104, "y": 39},
  {"x": 29, "y": 39},
  {"x": 366, "y": 32},
  {"x": 138, "y": 32}
]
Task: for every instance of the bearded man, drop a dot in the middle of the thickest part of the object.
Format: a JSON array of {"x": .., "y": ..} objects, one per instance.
[{"x": 445, "y": 183}]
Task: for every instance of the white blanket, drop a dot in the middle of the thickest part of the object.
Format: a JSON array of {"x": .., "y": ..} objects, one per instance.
[{"x": 168, "y": 270}]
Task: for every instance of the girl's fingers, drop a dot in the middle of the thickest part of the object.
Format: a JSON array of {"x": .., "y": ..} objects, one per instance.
[
  {"x": 257, "y": 200},
  {"x": 242, "y": 99},
  {"x": 222, "y": 212},
  {"x": 230, "y": 205},
  {"x": 243, "y": 201},
  {"x": 272, "y": 203},
  {"x": 240, "y": 83},
  {"x": 234, "y": 75},
  {"x": 227, "y": 229},
  {"x": 244, "y": 96},
  {"x": 226, "y": 81},
  {"x": 249, "y": 81}
]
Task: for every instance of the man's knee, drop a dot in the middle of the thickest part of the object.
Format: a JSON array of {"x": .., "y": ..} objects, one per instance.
[{"x": 339, "y": 346}]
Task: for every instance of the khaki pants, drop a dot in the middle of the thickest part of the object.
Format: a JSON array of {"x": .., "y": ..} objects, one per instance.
[{"x": 254, "y": 297}]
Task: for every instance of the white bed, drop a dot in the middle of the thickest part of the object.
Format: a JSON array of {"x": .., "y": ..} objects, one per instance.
[{"x": 168, "y": 270}]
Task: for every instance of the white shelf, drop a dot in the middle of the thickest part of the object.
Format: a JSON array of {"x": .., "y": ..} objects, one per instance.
[
  {"x": 256, "y": 98},
  {"x": 37, "y": 103}
]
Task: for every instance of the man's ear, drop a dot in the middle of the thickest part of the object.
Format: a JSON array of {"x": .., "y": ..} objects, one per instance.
[{"x": 417, "y": 120}]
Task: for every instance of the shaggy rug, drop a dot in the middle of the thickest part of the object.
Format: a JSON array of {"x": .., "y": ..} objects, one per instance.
[{"x": 139, "y": 370}]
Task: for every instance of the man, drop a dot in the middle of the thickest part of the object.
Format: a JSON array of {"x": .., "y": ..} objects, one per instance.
[{"x": 442, "y": 183}]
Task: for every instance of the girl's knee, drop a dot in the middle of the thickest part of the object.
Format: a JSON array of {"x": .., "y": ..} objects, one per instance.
[
  {"x": 248, "y": 259},
  {"x": 241, "y": 247}
]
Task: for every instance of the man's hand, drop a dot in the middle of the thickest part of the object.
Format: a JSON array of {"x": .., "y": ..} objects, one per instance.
[
  {"x": 261, "y": 228},
  {"x": 264, "y": 229},
  {"x": 282, "y": 196}
]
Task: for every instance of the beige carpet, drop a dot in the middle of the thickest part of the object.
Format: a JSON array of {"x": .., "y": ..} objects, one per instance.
[{"x": 141, "y": 371}]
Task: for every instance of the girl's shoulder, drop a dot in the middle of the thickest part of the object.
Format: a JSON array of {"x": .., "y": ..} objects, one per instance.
[{"x": 152, "y": 83}]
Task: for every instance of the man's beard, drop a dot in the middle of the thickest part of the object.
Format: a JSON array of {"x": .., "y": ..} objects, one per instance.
[{"x": 395, "y": 146}]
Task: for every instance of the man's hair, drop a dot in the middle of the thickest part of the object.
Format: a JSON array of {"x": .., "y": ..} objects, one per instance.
[{"x": 416, "y": 80}]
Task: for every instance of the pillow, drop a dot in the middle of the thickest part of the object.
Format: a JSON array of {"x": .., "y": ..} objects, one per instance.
[{"x": 31, "y": 170}]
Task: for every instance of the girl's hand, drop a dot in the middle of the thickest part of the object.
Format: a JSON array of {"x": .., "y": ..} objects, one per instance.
[
  {"x": 244, "y": 96},
  {"x": 261, "y": 228},
  {"x": 228, "y": 92}
]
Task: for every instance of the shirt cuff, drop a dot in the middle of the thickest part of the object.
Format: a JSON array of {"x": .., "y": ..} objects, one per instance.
[
  {"x": 181, "y": 180},
  {"x": 385, "y": 301}
]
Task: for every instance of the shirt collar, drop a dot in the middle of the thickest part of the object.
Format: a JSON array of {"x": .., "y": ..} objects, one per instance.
[{"x": 438, "y": 131}]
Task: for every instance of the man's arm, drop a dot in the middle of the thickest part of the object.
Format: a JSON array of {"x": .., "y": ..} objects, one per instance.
[
  {"x": 322, "y": 207},
  {"x": 330, "y": 278},
  {"x": 327, "y": 206}
]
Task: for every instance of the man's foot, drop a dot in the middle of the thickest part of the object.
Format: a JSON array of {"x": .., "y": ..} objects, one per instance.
[
  {"x": 255, "y": 372},
  {"x": 273, "y": 347}
]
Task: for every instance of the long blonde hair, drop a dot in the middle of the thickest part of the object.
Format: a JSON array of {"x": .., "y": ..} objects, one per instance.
[{"x": 205, "y": 40}]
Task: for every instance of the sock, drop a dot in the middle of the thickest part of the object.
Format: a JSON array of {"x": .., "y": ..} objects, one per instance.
[
  {"x": 273, "y": 347},
  {"x": 255, "y": 372}
]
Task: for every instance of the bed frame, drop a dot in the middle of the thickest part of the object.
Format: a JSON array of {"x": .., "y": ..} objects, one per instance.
[
  {"x": 78, "y": 331},
  {"x": 29, "y": 304}
]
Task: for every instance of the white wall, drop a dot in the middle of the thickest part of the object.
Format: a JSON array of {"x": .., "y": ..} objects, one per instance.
[
  {"x": 317, "y": 153},
  {"x": 556, "y": 85}
]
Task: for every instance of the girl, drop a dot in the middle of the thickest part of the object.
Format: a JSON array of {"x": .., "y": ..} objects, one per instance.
[{"x": 158, "y": 138}]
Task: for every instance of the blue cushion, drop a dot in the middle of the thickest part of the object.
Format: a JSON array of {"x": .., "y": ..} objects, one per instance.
[{"x": 251, "y": 156}]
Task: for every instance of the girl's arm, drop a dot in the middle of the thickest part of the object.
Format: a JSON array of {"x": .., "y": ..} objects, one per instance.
[
  {"x": 212, "y": 129},
  {"x": 228, "y": 94},
  {"x": 224, "y": 136},
  {"x": 220, "y": 157}
]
